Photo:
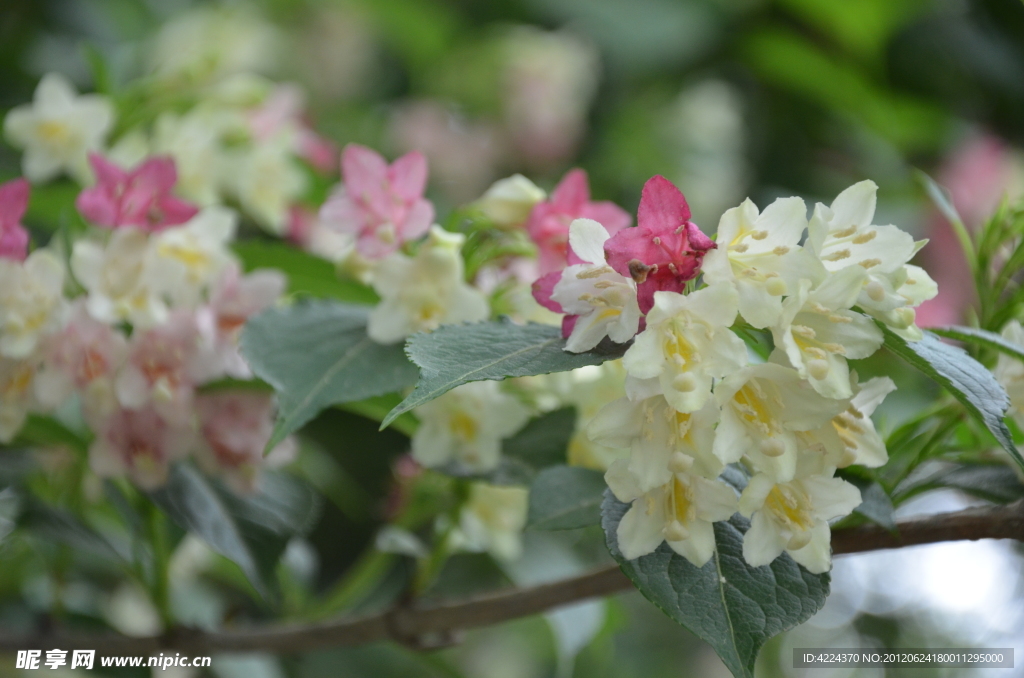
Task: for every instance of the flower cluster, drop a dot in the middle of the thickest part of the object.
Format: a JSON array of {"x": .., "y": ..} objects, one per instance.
[{"x": 696, "y": 401}]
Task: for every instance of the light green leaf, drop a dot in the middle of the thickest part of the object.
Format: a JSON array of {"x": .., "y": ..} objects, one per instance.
[
  {"x": 973, "y": 335},
  {"x": 565, "y": 498},
  {"x": 964, "y": 377},
  {"x": 736, "y": 608},
  {"x": 306, "y": 274},
  {"x": 316, "y": 354},
  {"x": 457, "y": 354}
]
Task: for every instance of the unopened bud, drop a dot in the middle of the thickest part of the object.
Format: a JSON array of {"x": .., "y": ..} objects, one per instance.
[
  {"x": 875, "y": 291},
  {"x": 775, "y": 287}
]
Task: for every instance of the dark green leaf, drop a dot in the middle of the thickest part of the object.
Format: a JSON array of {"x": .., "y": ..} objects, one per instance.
[
  {"x": 736, "y": 608},
  {"x": 964, "y": 377},
  {"x": 316, "y": 354},
  {"x": 973, "y": 335},
  {"x": 47, "y": 431},
  {"x": 55, "y": 524},
  {"x": 876, "y": 505},
  {"x": 306, "y": 274},
  {"x": 544, "y": 440},
  {"x": 284, "y": 504},
  {"x": 457, "y": 354},
  {"x": 565, "y": 497},
  {"x": 992, "y": 482}
]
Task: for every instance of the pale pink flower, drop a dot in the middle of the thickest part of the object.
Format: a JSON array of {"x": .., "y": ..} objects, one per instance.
[
  {"x": 164, "y": 365},
  {"x": 235, "y": 427},
  {"x": 84, "y": 357},
  {"x": 140, "y": 197},
  {"x": 234, "y": 298},
  {"x": 282, "y": 111},
  {"x": 140, "y": 444},
  {"x": 13, "y": 236},
  {"x": 665, "y": 250},
  {"x": 380, "y": 206},
  {"x": 549, "y": 221}
]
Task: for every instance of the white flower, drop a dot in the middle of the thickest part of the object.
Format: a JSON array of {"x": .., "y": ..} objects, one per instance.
[
  {"x": 1009, "y": 371},
  {"x": 467, "y": 425},
  {"x": 763, "y": 406},
  {"x": 589, "y": 389},
  {"x": 58, "y": 129},
  {"x": 267, "y": 180},
  {"x": 492, "y": 520},
  {"x": 761, "y": 255},
  {"x": 687, "y": 344},
  {"x": 425, "y": 291},
  {"x": 193, "y": 140},
  {"x": 661, "y": 440},
  {"x": 116, "y": 279},
  {"x": 508, "y": 202},
  {"x": 818, "y": 332},
  {"x": 793, "y": 517},
  {"x": 16, "y": 395},
  {"x": 843, "y": 236},
  {"x": 186, "y": 260},
  {"x": 862, "y": 443},
  {"x": 681, "y": 512},
  {"x": 604, "y": 300},
  {"x": 31, "y": 301}
]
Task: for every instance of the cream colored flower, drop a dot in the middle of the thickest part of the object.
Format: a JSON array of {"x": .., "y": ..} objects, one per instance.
[
  {"x": 116, "y": 279},
  {"x": 16, "y": 395},
  {"x": 183, "y": 262},
  {"x": 31, "y": 301},
  {"x": 508, "y": 202},
  {"x": 492, "y": 520}
]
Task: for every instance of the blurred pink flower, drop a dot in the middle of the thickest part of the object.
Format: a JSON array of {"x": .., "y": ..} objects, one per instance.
[
  {"x": 381, "y": 206},
  {"x": 282, "y": 111},
  {"x": 13, "y": 236},
  {"x": 665, "y": 249},
  {"x": 549, "y": 221},
  {"x": 235, "y": 427},
  {"x": 140, "y": 197},
  {"x": 140, "y": 444}
]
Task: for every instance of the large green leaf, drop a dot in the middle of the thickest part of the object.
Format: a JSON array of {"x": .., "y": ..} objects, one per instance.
[
  {"x": 306, "y": 274},
  {"x": 59, "y": 525},
  {"x": 457, "y": 354},
  {"x": 316, "y": 354},
  {"x": 964, "y": 377},
  {"x": 250, "y": 531},
  {"x": 736, "y": 608},
  {"x": 973, "y": 335},
  {"x": 565, "y": 498}
]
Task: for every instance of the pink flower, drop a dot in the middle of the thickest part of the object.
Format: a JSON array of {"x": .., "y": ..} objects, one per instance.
[
  {"x": 549, "y": 221},
  {"x": 235, "y": 427},
  {"x": 381, "y": 206},
  {"x": 164, "y": 365},
  {"x": 83, "y": 357},
  {"x": 13, "y": 236},
  {"x": 141, "y": 197},
  {"x": 282, "y": 112},
  {"x": 233, "y": 300},
  {"x": 140, "y": 444},
  {"x": 542, "y": 291},
  {"x": 665, "y": 249}
]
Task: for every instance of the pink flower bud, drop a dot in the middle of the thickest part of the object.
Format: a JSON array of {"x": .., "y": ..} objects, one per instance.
[
  {"x": 140, "y": 197},
  {"x": 13, "y": 236}
]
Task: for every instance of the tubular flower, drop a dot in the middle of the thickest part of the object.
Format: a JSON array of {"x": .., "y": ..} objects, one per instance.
[
  {"x": 793, "y": 517},
  {"x": 466, "y": 426},
  {"x": 140, "y": 197},
  {"x": 862, "y": 444},
  {"x": 843, "y": 236},
  {"x": 665, "y": 249},
  {"x": 31, "y": 301},
  {"x": 380, "y": 206},
  {"x": 681, "y": 512},
  {"x": 58, "y": 129},
  {"x": 423, "y": 292},
  {"x": 185, "y": 262},
  {"x": 818, "y": 332},
  {"x": 13, "y": 236},
  {"x": 603, "y": 301},
  {"x": 687, "y": 344},
  {"x": 549, "y": 220},
  {"x": 140, "y": 444},
  {"x": 761, "y": 256}
]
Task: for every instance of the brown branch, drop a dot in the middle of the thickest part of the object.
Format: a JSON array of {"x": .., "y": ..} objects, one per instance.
[{"x": 426, "y": 626}]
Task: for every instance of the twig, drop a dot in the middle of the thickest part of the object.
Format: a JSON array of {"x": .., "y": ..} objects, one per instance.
[{"x": 428, "y": 625}]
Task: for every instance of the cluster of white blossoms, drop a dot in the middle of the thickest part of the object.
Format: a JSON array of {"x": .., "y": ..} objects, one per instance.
[{"x": 697, "y": 399}]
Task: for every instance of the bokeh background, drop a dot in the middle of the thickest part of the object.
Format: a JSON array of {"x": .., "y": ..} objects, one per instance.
[{"x": 728, "y": 99}]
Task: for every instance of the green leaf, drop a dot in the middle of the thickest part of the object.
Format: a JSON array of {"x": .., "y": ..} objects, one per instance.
[
  {"x": 992, "y": 482},
  {"x": 316, "y": 354},
  {"x": 457, "y": 354},
  {"x": 252, "y": 532},
  {"x": 736, "y": 608},
  {"x": 973, "y": 335},
  {"x": 565, "y": 498},
  {"x": 876, "y": 505},
  {"x": 306, "y": 274},
  {"x": 964, "y": 377},
  {"x": 59, "y": 525},
  {"x": 39, "y": 430},
  {"x": 544, "y": 440}
]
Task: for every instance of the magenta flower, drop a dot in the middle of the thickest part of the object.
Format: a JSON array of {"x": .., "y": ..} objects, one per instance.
[
  {"x": 665, "y": 249},
  {"x": 13, "y": 236},
  {"x": 381, "y": 206},
  {"x": 542, "y": 289},
  {"x": 549, "y": 221},
  {"x": 140, "y": 197}
]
